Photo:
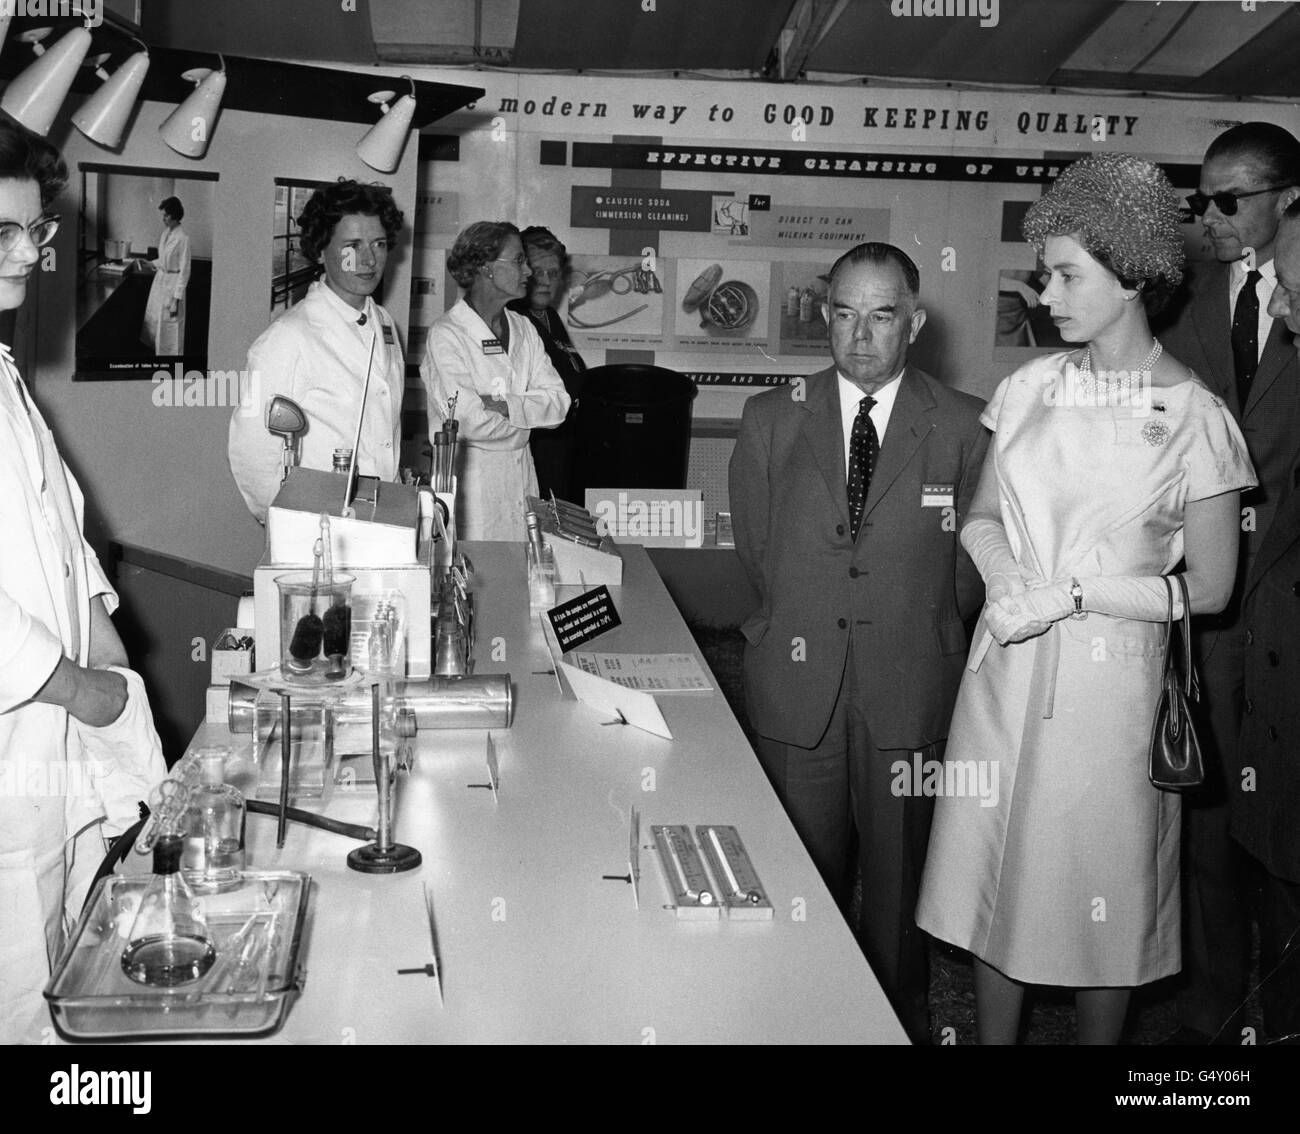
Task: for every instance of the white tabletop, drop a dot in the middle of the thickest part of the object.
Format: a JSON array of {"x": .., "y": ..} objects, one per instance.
[{"x": 535, "y": 946}]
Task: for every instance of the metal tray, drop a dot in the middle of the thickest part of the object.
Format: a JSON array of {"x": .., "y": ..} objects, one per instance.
[{"x": 91, "y": 998}]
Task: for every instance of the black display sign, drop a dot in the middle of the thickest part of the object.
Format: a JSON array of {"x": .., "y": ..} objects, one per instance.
[{"x": 579, "y": 620}]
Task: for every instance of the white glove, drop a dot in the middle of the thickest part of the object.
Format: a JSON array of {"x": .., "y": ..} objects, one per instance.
[
  {"x": 1028, "y": 613},
  {"x": 1143, "y": 597},
  {"x": 1014, "y": 618},
  {"x": 986, "y": 542}
]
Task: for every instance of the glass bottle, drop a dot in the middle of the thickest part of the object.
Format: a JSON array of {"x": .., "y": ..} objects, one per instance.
[
  {"x": 213, "y": 829},
  {"x": 169, "y": 942},
  {"x": 541, "y": 566}
]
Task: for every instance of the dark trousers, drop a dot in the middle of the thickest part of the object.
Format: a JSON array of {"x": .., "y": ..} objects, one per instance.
[
  {"x": 843, "y": 785},
  {"x": 1216, "y": 934},
  {"x": 1277, "y": 908}
]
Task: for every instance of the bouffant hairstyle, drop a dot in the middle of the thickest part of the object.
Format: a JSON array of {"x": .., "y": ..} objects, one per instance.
[
  {"x": 345, "y": 198},
  {"x": 26, "y": 157},
  {"x": 172, "y": 207},
  {"x": 1124, "y": 212},
  {"x": 479, "y": 244}
]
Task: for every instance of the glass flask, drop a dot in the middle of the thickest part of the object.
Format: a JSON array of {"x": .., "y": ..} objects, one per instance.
[
  {"x": 213, "y": 829},
  {"x": 169, "y": 942}
]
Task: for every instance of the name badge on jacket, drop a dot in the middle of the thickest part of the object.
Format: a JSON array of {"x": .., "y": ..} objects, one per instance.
[
  {"x": 389, "y": 338},
  {"x": 493, "y": 346},
  {"x": 936, "y": 496}
]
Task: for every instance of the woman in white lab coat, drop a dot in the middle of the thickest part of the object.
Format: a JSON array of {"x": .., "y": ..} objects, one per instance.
[
  {"x": 318, "y": 351},
  {"x": 164, "y": 315},
  {"x": 496, "y": 364},
  {"x": 76, "y": 739}
]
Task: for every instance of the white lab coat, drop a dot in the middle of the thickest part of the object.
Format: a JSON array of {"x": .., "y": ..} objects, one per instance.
[
  {"x": 54, "y": 782},
  {"x": 316, "y": 353},
  {"x": 494, "y": 466},
  {"x": 161, "y": 332}
]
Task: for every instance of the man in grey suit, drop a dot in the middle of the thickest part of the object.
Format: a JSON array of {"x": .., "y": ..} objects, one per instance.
[
  {"x": 1265, "y": 796},
  {"x": 847, "y": 490},
  {"x": 1224, "y": 333}
]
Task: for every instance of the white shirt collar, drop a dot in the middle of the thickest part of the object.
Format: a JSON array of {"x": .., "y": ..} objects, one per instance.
[
  {"x": 851, "y": 395},
  {"x": 1266, "y": 270},
  {"x": 345, "y": 310}
]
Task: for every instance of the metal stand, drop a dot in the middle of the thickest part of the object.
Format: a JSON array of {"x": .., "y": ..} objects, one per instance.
[{"x": 383, "y": 856}]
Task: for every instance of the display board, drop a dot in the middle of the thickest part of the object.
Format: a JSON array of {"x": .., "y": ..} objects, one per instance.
[{"x": 702, "y": 216}]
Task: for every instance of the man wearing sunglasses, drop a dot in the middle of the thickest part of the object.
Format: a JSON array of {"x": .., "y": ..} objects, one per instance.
[
  {"x": 1266, "y": 820},
  {"x": 1223, "y": 331}
]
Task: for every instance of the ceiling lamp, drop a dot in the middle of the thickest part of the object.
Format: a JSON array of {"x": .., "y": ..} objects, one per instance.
[
  {"x": 103, "y": 116},
  {"x": 382, "y": 146},
  {"x": 188, "y": 128},
  {"x": 34, "y": 97}
]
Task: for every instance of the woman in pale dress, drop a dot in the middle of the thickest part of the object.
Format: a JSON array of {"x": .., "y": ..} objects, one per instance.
[
  {"x": 493, "y": 362},
  {"x": 163, "y": 330},
  {"x": 1109, "y": 466}
]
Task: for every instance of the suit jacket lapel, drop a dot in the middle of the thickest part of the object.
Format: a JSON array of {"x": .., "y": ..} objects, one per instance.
[
  {"x": 1278, "y": 351},
  {"x": 1214, "y": 329},
  {"x": 909, "y": 423},
  {"x": 824, "y": 434},
  {"x": 1282, "y": 532}
]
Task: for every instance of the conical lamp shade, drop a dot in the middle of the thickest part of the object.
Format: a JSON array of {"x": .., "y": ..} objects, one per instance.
[
  {"x": 103, "y": 116},
  {"x": 382, "y": 146},
  {"x": 188, "y": 128},
  {"x": 35, "y": 96}
]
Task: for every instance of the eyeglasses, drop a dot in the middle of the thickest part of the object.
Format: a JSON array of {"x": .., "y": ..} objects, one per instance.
[
  {"x": 1226, "y": 202},
  {"x": 40, "y": 233},
  {"x": 546, "y": 274},
  {"x": 517, "y": 261}
]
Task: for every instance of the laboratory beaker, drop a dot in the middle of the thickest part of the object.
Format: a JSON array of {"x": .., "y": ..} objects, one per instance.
[{"x": 315, "y": 626}]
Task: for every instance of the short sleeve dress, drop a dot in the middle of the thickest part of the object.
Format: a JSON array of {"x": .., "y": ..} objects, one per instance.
[{"x": 1067, "y": 872}]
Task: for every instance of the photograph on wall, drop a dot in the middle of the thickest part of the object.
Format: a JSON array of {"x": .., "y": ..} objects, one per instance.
[
  {"x": 730, "y": 216},
  {"x": 614, "y": 296},
  {"x": 802, "y": 288},
  {"x": 1022, "y": 319},
  {"x": 144, "y": 271},
  {"x": 291, "y": 272},
  {"x": 720, "y": 303}
]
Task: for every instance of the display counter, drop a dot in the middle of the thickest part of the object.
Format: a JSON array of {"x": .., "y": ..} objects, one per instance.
[{"x": 536, "y": 946}]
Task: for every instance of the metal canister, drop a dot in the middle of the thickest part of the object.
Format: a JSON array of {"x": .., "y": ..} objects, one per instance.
[
  {"x": 480, "y": 701},
  {"x": 342, "y": 460}
]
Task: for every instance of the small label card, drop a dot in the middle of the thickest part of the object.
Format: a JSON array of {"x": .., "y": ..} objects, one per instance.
[
  {"x": 579, "y": 620},
  {"x": 650, "y": 673}
]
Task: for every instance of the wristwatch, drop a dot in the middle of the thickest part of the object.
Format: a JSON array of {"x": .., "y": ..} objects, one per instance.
[{"x": 1076, "y": 593}]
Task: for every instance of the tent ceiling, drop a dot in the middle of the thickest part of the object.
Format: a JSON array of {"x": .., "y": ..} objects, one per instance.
[{"x": 1204, "y": 47}]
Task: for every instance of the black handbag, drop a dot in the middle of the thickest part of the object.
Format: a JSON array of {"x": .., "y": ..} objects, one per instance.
[{"x": 1175, "y": 762}]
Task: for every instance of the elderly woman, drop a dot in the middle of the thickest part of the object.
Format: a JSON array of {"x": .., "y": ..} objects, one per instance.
[
  {"x": 318, "y": 352},
  {"x": 494, "y": 362},
  {"x": 1109, "y": 466},
  {"x": 553, "y": 448},
  {"x": 163, "y": 331}
]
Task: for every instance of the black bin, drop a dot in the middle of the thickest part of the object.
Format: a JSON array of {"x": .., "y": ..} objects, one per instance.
[{"x": 633, "y": 428}]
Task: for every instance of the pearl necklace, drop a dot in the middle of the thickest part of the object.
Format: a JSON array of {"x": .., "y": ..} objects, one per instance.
[{"x": 1091, "y": 383}]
